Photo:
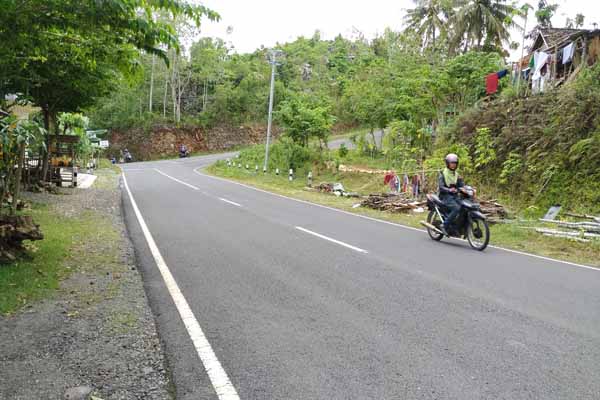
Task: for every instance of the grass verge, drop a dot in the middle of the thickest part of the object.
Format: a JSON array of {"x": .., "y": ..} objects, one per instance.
[
  {"x": 511, "y": 236},
  {"x": 71, "y": 243}
]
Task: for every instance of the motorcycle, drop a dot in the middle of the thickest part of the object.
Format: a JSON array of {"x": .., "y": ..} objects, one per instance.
[
  {"x": 183, "y": 153},
  {"x": 470, "y": 223}
]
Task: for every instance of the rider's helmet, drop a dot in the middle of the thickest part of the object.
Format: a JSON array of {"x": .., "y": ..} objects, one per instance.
[{"x": 451, "y": 158}]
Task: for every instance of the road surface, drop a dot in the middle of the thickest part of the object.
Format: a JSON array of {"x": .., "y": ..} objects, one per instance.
[
  {"x": 282, "y": 299},
  {"x": 336, "y": 143}
]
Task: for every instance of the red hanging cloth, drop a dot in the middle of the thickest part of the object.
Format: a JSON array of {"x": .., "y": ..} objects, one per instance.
[{"x": 491, "y": 83}]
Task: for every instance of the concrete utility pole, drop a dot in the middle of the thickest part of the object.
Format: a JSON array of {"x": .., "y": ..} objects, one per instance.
[{"x": 273, "y": 60}]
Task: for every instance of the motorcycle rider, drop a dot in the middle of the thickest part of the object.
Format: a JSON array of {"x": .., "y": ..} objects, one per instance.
[
  {"x": 183, "y": 151},
  {"x": 449, "y": 184},
  {"x": 128, "y": 156}
]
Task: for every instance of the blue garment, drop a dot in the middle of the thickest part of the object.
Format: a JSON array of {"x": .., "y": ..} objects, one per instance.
[{"x": 502, "y": 74}]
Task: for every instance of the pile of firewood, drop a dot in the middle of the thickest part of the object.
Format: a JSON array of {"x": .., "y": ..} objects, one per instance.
[
  {"x": 492, "y": 209},
  {"x": 403, "y": 203},
  {"x": 13, "y": 231},
  {"x": 392, "y": 203}
]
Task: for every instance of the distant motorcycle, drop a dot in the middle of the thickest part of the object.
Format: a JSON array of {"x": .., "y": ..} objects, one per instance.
[
  {"x": 183, "y": 152},
  {"x": 128, "y": 156},
  {"x": 470, "y": 223}
]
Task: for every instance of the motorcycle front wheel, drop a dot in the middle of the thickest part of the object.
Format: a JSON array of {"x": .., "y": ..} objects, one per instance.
[
  {"x": 478, "y": 233},
  {"x": 434, "y": 219}
]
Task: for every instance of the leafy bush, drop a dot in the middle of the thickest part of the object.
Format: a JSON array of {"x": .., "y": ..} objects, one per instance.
[
  {"x": 343, "y": 151},
  {"x": 484, "y": 148},
  {"x": 283, "y": 154},
  {"x": 511, "y": 167}
]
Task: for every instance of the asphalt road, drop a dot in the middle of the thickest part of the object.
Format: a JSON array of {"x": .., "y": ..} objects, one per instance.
[
  {"x": 336, "y": 143},
  {"x": 299, "y": 301}
]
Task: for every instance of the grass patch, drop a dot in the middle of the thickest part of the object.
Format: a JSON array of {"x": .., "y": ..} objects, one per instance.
[
  {"x": 506, "y": 235},
  {"x": 86, "y": 242}
]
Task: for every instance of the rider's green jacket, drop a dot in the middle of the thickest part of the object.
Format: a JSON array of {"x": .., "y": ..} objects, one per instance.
[{"x": 449, "y": 179}]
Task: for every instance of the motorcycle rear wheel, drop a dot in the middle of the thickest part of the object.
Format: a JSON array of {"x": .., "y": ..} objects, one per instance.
[
  {"x": 434, "y": 219},
  {"x": 478, "y": 234}
]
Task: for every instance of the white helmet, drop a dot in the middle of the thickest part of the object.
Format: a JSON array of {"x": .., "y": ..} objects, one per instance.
[{"x": 451, "y": 158}]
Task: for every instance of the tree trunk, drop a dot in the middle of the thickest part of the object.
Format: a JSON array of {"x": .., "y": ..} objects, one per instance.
[
  {"x": 46, "y": 152},
  {"x": 204, "y": 94},
  {"x": 373, "y": 136},
  {"x": 17, "y": 191},
  {"x": 173, "y": 87},
  {"x": 179, "y": 91},
  {"x": 151, "y": 84},
  {"x": 165, "y": 98}
]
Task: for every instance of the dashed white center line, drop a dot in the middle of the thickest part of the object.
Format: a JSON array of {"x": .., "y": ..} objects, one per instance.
[
  {"x": 230, "y": 202},
  {"x": 332, "y": 240},
  {"x": 176, "y": 180}
]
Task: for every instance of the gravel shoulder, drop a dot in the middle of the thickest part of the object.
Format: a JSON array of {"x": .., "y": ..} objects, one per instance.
[{"x": 96, "y": 334}]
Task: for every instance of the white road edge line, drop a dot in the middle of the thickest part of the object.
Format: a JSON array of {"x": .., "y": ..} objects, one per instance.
[
  {"x": 217, "y": 375},
  {"x": 332, "y": 240},
  {"x": 390, "y": 223},
  {"x": 230, "y": 202},
  {"x": 176, "y": 180}
]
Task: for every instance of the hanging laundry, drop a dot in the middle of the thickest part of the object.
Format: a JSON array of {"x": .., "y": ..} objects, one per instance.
[
  {"x": 491, "y": 83},
  {"x": 393, "y": 182},
  {"x": 416, "y": 185},
  {"x": 541, "y": 59},
  {"x": 502, "y": 74},
  {"x": 388, "y": 177},
  {"x": 568, "y": 53}
]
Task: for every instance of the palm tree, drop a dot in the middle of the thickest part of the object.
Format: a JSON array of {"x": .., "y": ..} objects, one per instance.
[
  {"x": 485, "y": 22},
  {"x": 428, "y": 19}
]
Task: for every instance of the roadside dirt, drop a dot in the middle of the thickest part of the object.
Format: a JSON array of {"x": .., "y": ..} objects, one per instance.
[{"x": 96, "y": 335}]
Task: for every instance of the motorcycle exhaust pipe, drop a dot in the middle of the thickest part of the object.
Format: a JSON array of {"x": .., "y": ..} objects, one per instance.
[{"x": 432, "y": 227}]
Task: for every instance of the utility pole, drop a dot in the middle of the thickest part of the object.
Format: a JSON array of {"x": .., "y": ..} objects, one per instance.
[{"x": 273, "y": 60}]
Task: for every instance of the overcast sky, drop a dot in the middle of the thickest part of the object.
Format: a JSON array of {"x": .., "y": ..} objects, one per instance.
[{"x": 266, "y": 22}]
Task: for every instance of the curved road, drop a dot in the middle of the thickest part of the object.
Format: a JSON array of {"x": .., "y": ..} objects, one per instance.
[{"x": 257, "y": 296}]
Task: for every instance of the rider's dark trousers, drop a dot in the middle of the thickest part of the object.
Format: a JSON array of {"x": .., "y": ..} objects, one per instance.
[{"x": 453, "y": 208}]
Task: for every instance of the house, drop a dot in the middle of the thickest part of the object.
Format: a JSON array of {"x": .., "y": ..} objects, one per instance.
[{"x": 558, "y": 54}]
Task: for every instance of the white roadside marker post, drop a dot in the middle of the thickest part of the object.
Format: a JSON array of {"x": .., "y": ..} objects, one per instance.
[
  {"x": 310, "y": 178},
  {"x": 291, "y": 175}
]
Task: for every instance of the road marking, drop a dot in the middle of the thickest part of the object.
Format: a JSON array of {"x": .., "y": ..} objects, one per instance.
[
  {"x": 217, "y": 375},
  {"x": 176, "y": 180},
  {"x": 332, "y": 240},
  {"x": 230, "y": 202},
  {"x": 597, "y": 269}
]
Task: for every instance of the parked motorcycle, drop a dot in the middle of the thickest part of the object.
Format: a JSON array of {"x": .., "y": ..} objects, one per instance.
[{"x": 470, "y": 223}]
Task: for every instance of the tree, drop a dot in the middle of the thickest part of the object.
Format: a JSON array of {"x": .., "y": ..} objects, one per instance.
[
  {"x": 429, "y": 19},
  {"x": 368, "y": 99},
  {"x": 15, "y": 137},
  {"x": 485, "y": 22},
  {"x": 303, "y": 118},
  {"x": 62, "y": 54},
  {"x": 545, "y": 12}
]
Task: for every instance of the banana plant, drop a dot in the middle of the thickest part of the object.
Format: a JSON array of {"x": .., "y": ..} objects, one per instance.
[{"x": 15, "y": 136}]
